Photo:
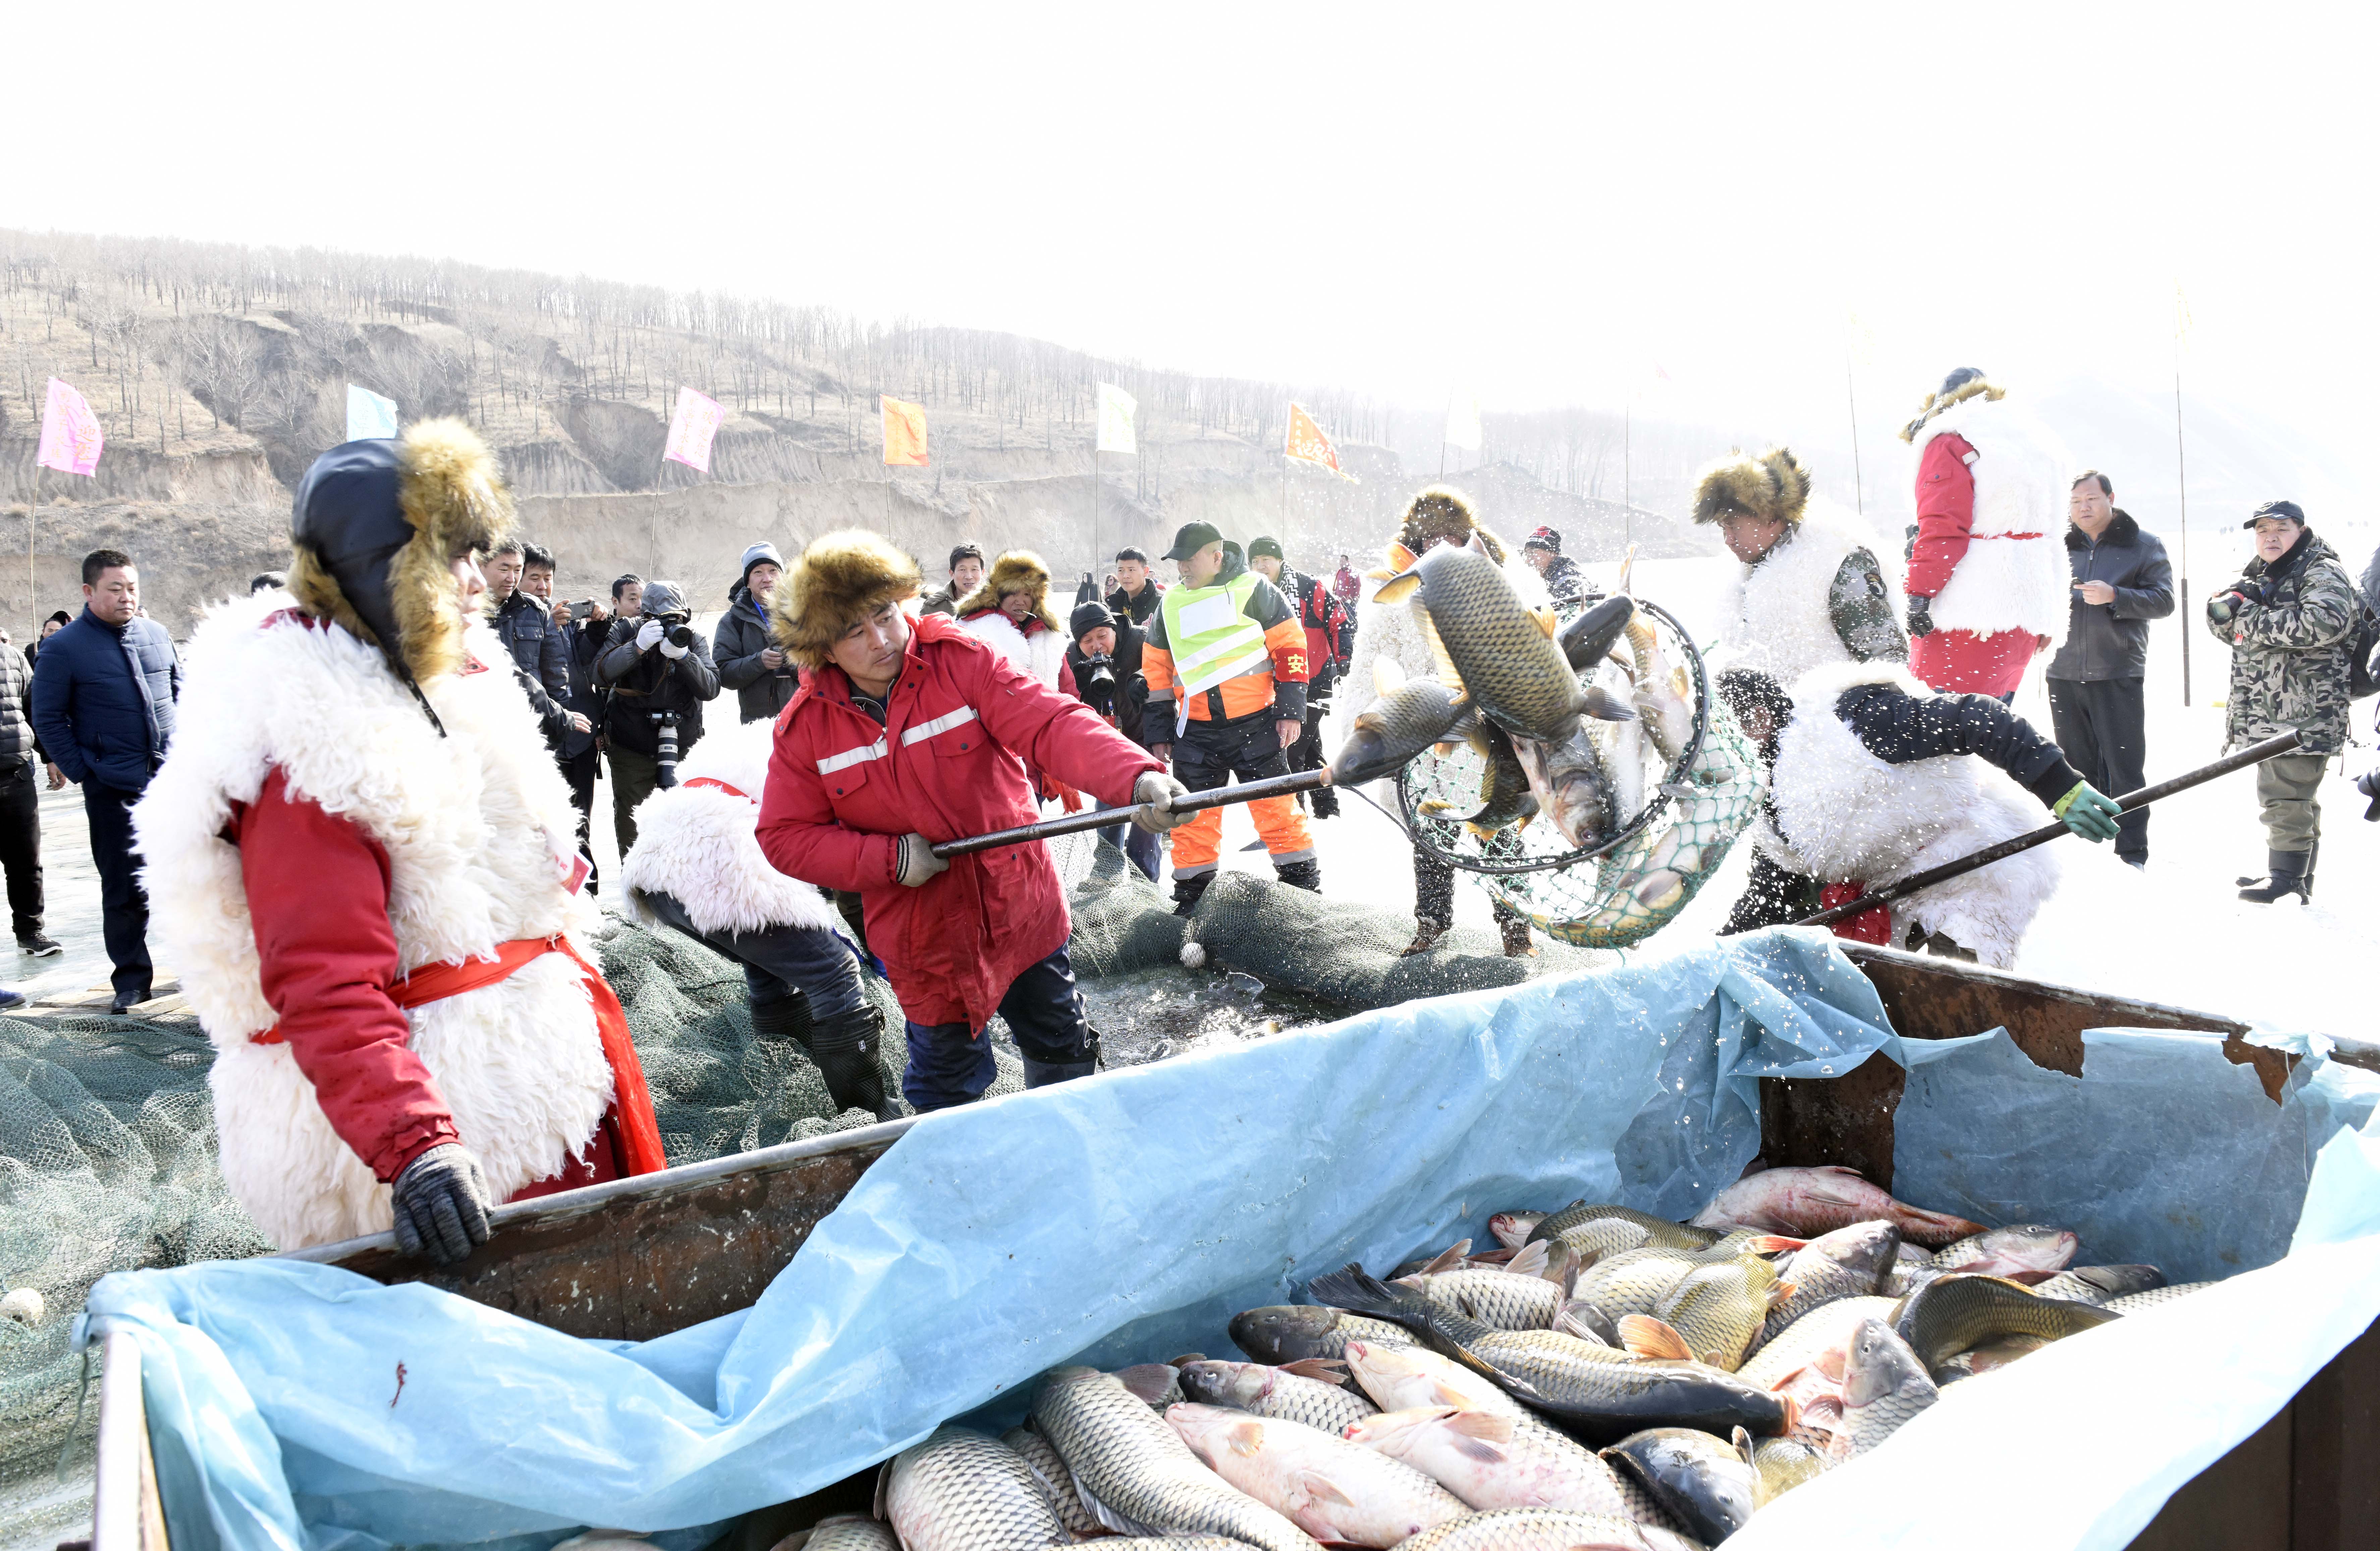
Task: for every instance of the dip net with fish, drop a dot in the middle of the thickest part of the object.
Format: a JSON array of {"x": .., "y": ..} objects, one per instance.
[{"x": 1686, "y": 817}]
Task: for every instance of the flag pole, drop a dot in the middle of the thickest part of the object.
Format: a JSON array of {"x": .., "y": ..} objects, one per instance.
[
  {"x": 1850, "y": 392},
  {"x": 1095, "y": 502},
  {"x": 2182, "y": 485},
  {"x": 33, "y": 512}
]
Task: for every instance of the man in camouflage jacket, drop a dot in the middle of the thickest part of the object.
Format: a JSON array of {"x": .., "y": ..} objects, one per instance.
[{"x": 2290, "y": 621}]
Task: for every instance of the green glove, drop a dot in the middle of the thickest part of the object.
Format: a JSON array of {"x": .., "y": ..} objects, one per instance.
[{"x": 2088, "y": 813}]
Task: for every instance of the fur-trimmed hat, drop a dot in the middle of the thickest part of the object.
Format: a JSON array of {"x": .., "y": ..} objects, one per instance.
[
  {"x": 1440, "y": 511},
  {"x": 1962, "y": 383},
  {"x": 375, "y": 531},
  {"x": 840, "y": 580},
  {"x": 1019, "y": 570},
  {"x": 1772, "y": 486}
]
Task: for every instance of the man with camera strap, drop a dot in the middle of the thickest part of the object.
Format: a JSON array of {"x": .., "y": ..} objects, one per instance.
[{"x": 654, "y": 666}]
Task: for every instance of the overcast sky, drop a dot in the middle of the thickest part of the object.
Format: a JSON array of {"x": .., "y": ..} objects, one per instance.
[{"x": 1543, "y": 205}]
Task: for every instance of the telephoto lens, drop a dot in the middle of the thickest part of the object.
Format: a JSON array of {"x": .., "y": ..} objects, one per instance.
[{"x": 682, "y": 635}]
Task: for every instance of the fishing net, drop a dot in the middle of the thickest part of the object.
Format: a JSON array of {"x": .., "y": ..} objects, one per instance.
[{"x": 1681, "y": 813}]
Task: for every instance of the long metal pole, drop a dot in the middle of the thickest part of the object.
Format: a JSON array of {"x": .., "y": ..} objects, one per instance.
[
  {"x": 1075, "y": 823},
  {"x": 2181, "y": 487},
  {"x": 2255, "y": 753}
]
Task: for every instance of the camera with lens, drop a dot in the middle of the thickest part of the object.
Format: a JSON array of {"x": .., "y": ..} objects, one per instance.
[{"x": 676, "y": 628}]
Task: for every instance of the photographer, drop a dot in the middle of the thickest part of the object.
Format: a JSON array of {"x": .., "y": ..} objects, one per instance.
[
  {"x": 1105, "y": 664},
  {"x": 762, "y": 677},
  {"x": 653, "y": 667}
]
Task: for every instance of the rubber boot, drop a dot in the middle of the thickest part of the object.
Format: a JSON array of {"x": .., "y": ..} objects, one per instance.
[
  {"x": 789, "y": 1020},
  {"x": 1516, "y": 936},
  {"x": 1188, "y": 892},
  {"x": 1040, "y": 1074},
  {"x": 1301, "y": 874},
  {"x": 846, "y": 1048},
  {"x": 1428, "y": 930},
  {"x": 2288, "y": 876}
]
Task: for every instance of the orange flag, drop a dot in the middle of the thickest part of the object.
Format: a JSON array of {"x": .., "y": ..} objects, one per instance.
[
  {"x": 905, "y": 432},
  {"x": 1307, "y": 444}
]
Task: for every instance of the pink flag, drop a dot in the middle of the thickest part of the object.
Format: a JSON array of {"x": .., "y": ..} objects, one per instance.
[
  {"x": 70, "y": 438},
  {"x": 691, "y": 429}
]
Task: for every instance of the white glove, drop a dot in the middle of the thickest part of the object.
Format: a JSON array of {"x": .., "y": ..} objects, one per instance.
[
  {"x": 673, "y": 652},
  {"x": 1155, "y": 791},
  {"x": 917, "y": 862},
  {"x": 650, "y": 636}
]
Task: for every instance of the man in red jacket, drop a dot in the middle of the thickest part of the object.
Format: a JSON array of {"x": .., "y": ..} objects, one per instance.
[{"x": 907, "y": 732}]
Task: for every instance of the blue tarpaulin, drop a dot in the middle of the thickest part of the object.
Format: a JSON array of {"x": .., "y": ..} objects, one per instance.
[{"x": 1108, "y": 1221}]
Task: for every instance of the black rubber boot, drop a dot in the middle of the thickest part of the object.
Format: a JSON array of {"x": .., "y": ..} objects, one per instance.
[
  {"x": 785, "y": 1020},
  {"x": 846, "y": 1048},
  {"x": 2289, "y": 875},
  {"x": 1515, "y": 930},
  {"x": 1301, "y": 874},
  {"x": 1188, "y": 892},
  {"x": 1040, "y": 1074}
]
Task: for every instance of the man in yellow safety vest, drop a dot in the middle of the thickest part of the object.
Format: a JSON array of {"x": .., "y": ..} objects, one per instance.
[{"x": 1226, "y": 662}]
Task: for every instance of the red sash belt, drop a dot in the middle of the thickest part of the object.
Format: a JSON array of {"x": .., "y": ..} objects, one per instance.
[
  {"x": 1868, "y": 926},
  {"x": 632, "y": 1102},
  {"x": 716, "y": 781}
]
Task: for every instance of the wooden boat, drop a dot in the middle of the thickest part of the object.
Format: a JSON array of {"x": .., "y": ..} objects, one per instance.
[{"x": 637, "y": 1259}]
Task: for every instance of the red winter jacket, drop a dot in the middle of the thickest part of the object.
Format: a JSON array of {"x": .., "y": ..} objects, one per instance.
[
  {"x": 946, "y": 764},
  {"x": 1956, "y": 662}
]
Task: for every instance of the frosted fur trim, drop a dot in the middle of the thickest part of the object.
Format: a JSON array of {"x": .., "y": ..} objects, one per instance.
[
  {"x": 1038, "y": 656},
  {"x": 2020, "y": 472},
  {"x": 700, "y": 846},
  {"x": 476, "y": 825},
  {"x": 1850, "y": 815},
  {"x": 1774, "y": 616}
]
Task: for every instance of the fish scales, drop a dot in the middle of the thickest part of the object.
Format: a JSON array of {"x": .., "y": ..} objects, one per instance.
[
  {"x": 1821, "y": 1330},
  {"x": 1540, "y": 1529},
  {"x": 1660, "y": 1232},
  {"x": 851, "y": 1532},
  {"x": 1056, "y": 1483},
  {"x": 1849, "y": 1262},
  {"x": 1138, "y": 1475},
  {"x": 961, "y": 1491},
  {"x": 1333, "y": 1490},
  {"x": 1276, "y": 1394},
  {"x": 1501, "y": 1299},
  {"x": 1957, "y": 1313},
  {"x": 1492, "y": 1462}
]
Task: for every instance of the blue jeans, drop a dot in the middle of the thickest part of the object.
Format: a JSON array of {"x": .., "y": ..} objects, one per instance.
[
  {"x": 1137, "y": 844},
  {"x": 950, "y": 1064}
]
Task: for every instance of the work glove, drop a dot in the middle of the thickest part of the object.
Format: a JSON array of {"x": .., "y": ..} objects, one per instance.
[
  {"x": 1156, "y": 792},
  {"x": 2089, "y": 814},
  {"x": 1921, "y": 616},
  {"x": 914, "y": 861},
  {"x": 441, "y": 1204},
  {"x": 2221, "y": 607},
  {"x": 648, "y": 635},
  {"x": 672, "y": 651}
]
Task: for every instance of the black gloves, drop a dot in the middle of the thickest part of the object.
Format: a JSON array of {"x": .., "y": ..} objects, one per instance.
[
  {"x": 1921, "y": 616},
  {"x": 440, "y": 1203}
]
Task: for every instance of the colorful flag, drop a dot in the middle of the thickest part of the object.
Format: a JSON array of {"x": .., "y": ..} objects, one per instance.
[
  {"x": 691, "y": 429},
  {"x": 70, "y": 438},
  {"x": 369, "y": 416},
  {"x": 905, "y": 432},
  {"x": 1462, "y": 424},
  {"x": 1116, "y": 410},
  {"x": 1308, "y": 444}
]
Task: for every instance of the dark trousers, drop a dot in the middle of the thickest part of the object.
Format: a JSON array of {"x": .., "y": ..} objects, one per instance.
[
  {"x": 2102, "y": 724},
  {"x": 781, "y": 962},
  {"x": 580, "y": 770},
  {"x": 124, "y": 907},
  {"x": 1138, "y": 845},
  {"x": 1306, "y": 754},
  {"x": 1434, "y": 890},
  {"x": 1773, "y": 896},
  {"x": 633, "y": 778},
  {"x": 20, "y": 846},
  {"x": 950, "y": 1064}
]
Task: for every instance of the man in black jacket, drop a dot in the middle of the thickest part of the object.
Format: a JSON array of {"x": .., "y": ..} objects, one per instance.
[
  {"x": 103, "y": 694},
  {"x": 652, "y": 666},
  {"x": 1105, "y": 661},
  {"x": 21, "y": 803},
  {"x": 2121, "y": 581},
  {"x": 749, "y": 662}
]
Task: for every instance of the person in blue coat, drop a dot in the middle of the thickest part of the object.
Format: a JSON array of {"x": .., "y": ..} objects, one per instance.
[{"x": 103, "y": 694}]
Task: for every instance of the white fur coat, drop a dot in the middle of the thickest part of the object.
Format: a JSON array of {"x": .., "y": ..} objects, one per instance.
[
  {"x": 1847, "y": 814},
  {"x": 2020, "y": 470},
  {"x": 698, "y": 844},
  {"x": 1774, "y": 616},
  {"x": 478, "y": 830},
  {"x": 1038, "y": 656}
]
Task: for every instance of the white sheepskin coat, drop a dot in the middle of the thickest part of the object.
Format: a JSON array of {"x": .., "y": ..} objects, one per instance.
[
  {"x": 479, "y": 834},
  {"x": 2021, "y": 473},
  {"x": 1846, "y": 814},
  {"x": 1774, "y": 616},
  {"x": 1040, "y": 655},
  {"x": 698, "y": 844}
]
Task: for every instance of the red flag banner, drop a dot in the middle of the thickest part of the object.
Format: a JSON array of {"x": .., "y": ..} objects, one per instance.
[
  {"x": 1308, "y": 444},
  {"x": 905, "y": 432}
]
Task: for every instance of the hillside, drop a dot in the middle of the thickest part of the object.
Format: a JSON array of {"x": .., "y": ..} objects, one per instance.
[{"x": 219, "y": 372}]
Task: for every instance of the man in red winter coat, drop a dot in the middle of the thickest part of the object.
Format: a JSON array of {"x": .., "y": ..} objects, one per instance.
[{"x": 907, "y": 732}]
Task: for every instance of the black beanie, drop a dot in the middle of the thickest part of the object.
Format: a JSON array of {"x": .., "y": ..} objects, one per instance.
[{"x": 1087, "y": 618}]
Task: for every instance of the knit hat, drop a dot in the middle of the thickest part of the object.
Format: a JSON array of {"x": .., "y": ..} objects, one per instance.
[
  {"x": 1087, "y": 618},
  {"x": 1267, "y": 547},
  {"x": 2289, "y": 509},
  {"x": 763, "y": 551},
  {"x": 1542, "y": 538}
]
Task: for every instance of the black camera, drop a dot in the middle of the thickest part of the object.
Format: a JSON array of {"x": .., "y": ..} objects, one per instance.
[
  {"x": 1102, "y": 674},
  {"x": 674, "y": 628}
]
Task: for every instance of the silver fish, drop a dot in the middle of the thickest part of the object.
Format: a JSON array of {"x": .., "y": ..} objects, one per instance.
[
  {"x": 1493, "y": 1462},
  {"x": 1849, "y": 1262},
  {"x": 1057, "y": 1485},
  {"x": 961, "y": 1491},
  {"x": 1307, "y": 1392},
  {"x": 1288, "y": 1332},
  {"x": 1332, "y": 1489},
  {"x": 2132, "y": 1303},
  {"x": 1134, "y": 1472},
  {"x": 2101, "y": 1284},
  {"x": 1883, "y": 1386},
  {"x": 851, "y": 1532},
  {"x": 1546, "y": 1529},
  {"x": 2003, "y": 1251}
]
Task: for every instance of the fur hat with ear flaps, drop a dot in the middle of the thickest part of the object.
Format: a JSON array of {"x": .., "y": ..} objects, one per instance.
[
  {"x": 1019, "y": 570},
  {"x": 840, "y": 580},
  {"x": 1962, "y": 384},
  {"x": 1773, "y": 485},
  {"x": 1440, "y": 511},
  {"x": 375, "y": 531}
]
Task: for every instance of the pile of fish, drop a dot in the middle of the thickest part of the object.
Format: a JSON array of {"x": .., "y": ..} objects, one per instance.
[{"x": 1604, "y": 1381}]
